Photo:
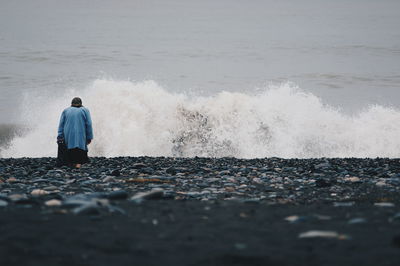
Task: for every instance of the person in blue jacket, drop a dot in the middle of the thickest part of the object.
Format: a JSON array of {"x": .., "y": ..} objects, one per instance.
[{"x": 75, "y": 130}]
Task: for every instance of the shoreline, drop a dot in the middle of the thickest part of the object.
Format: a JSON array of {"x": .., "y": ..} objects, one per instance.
[{"x": 200, "y": 211}]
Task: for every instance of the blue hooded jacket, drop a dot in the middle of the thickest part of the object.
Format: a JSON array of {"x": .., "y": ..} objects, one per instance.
[{"x": 76, "y": 127}]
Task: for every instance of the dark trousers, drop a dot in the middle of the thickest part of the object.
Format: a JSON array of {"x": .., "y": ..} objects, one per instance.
[{"x": 67, "y": 156}]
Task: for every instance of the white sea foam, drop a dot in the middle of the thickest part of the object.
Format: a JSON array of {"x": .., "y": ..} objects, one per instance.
[{"x": 142, "y": 118}]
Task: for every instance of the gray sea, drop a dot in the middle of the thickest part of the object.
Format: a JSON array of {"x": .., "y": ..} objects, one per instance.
[{"x": 345, "y": 53}]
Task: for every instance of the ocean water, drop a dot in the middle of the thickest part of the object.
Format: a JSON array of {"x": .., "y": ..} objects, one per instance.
[{"x": 293, "y": 79}]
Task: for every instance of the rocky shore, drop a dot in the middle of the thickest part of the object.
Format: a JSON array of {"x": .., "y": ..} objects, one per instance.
[{"x": 200, "y": 211}]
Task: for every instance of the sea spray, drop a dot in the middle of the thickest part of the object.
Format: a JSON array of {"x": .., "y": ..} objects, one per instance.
[{"x": 142, "y": 118}]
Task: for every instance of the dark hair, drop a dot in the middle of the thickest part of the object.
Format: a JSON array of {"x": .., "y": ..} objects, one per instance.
[{"x": 77, "y": 102}]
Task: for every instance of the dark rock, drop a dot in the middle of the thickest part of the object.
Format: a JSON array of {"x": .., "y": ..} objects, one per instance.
[
  {"x": 118, "y": 195},
  {"x": 322, "y": 183},
  {"x": 27, "y": 201},
  {"x": 171, "y": 171},
  {"x": 115, "y": 172},
  {"x": 146, "y": 170}
]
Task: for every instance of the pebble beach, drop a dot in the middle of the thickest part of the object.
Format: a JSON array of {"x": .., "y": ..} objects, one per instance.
[
  {"x": 200, "y": 211},
  {"x": 180, "y": 93}
]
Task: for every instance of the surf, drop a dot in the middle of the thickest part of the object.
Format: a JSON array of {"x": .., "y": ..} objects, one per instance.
[{"x": 144, "y": 119}]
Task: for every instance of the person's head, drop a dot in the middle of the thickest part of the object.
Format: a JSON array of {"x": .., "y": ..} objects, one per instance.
[{"x": 76, "y": 102}]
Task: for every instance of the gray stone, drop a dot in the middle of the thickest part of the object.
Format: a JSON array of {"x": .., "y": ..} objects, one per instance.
[
  {"x": 3, "y": 203},
  {"x": 118, "y": 195},
  {"x": 384, "y": 204},
  {"x": 87, "y": 209},
  {"x": 343, "y": 204},
  {"x": 357, "y": 221},
  {"x": 150, "y": 195}
]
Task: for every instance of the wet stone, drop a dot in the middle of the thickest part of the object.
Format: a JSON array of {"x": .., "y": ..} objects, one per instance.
[
  {"x": 343, "y": 204},
  {"x": 352, "y": 179},
  {"x": 138, "y": 165},
  {"x": 108, "y": 179},
  {"x": 396, "y": 217},
  {"x": 17, "y": 197},
  {"x": 295, "y": 218},
  {"x": 321, "y": 183},
  {"x": 384, "y": 204},
  {"x": 347, "y": 183},
  {"x": 87, "y": 209},
  {"x": 323, "y": 234},
  {"x": 150, "y": 195},
  {"x": 3, "y": 203},
  {"x": 39, "y": 192},
  {"x": 322, "y": 165},
  {"x": 11, "y": 180},
  {"x": 118, "y": 195},
  {"x": 381, "y": 184},
  {"x": 50, "y": 188},
  {"x": 53, "y": 202},
  {"x": 171, "y": 171},
  {"x": 357, "y": 221},
  {"x": 115, "y": 172}
]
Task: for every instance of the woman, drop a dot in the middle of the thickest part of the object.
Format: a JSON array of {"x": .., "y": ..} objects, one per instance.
[{"x": 75, "y": 130}]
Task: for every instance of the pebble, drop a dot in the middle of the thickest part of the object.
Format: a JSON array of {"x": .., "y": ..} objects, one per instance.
[
  {"x": 352, "y": 179},
  {"x": 17, "y": 197},
  {"x": 260, "y": 181},
  {"x": 323, "y": 234},
  {"x": 384, "y": 204},
  {"x": 322, "y": 217},
  {"x": 381, "y": 184},
  {"x": 230, "y": 189},
  {"x": 396, "y": 217},
  {"x": 3, "y": 203},
  {"x": 53, "y": 202},
  {"x": 322, "y": 165},
  {"x": 322, "y": 183},
  {"x": 39, "y": 192},
  {"x": 50, "y": 188},
  {"x": 171, "y": 171},
  {"x": 357, "y": 221},
  {"x": 343, "y": 204},
  {"x": 294, "y": 219},
  {"x": 150, "y": 195},
  {"x": 115, "y": 172},
  {"x": 87, "y": 209},
  {"x": 138, "y": 165},
  {"x": 257, "y": 180},
  {"x": 118, "y": 195},
  {"x": 11, "y": 180},
  {"x": 108, "y": 179}
]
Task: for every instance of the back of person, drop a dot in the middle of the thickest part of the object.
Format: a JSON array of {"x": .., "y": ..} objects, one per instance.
[
  {"x": 75, "y": 127},
  {"x": 75, "y": 132}
]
